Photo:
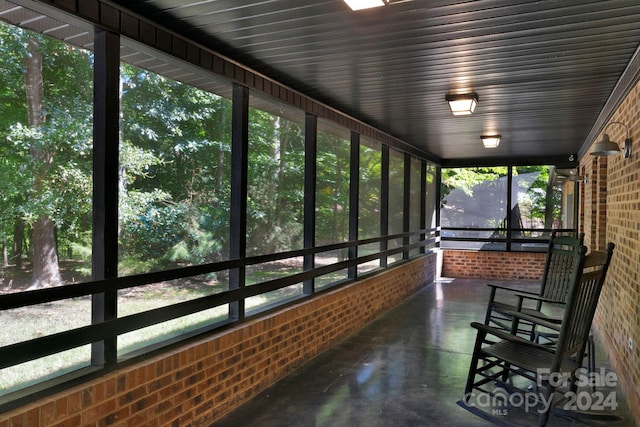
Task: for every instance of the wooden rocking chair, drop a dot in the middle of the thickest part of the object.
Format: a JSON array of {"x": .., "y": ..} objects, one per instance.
[
  {"x": 537, "y": 364},
  {"x": 594, "y": 261},
  {"x": 557, "y": 276}
]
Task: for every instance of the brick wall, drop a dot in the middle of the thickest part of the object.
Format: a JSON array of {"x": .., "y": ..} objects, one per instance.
[
  {"x": 612, "y": 196},
  {"x": 204, "y": 380},
  {"x": 493, "y": 265}
]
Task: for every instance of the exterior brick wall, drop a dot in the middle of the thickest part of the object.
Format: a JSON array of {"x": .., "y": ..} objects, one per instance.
[
  {"x": 493, "y": 265},
  {"x": 203, "y": 380},
  {"x": 614, "y": 199}
]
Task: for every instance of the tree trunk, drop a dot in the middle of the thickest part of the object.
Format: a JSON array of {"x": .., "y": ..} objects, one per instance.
[
  {"x": 220, "y": 169},
  {"x": 46, "y": 271},
  {"x": 280, "y": 154},
  {"x": 5, "y": 252},
  {"x": 336, "y": 232},
  {"x": 45, "y": 257},
  {"x": 18, "y": 242}
]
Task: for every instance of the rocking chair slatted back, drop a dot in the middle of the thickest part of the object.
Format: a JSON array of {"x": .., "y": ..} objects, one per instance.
[
  {"x": 558, "y": 271},
  {"x": 582, "y": 302}
]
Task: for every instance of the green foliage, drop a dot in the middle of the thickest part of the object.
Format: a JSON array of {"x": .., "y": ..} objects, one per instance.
[
  {"x": 175, "y": 169},
  {"x": 276, "y": 183},
  {"x": 130, "y": 265},
  {"x": 197, "y": 241},
  {"x": 158, "y": 226},
  {"x": 466, "y": 179},
  {"x": 396, "y": 191},
  {"x": 370, "y": 185},
  {"x": 332, "y": 189},
  {"x": 542, "y": 196},
  {"x": 59, "y": 152}
]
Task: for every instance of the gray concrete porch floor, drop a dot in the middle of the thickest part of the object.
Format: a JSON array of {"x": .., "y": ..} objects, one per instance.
[{"x": 407, "y": 368}]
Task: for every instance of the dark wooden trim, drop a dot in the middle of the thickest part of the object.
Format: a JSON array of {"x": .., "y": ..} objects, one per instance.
[{"x": 568, "y": 161}]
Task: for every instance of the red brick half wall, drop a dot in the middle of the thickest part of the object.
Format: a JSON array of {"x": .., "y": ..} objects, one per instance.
[{"x": 492, "y": 265}]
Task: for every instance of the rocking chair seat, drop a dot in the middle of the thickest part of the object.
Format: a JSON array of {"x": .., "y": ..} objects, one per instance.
[{"x": 528, "y": 358}]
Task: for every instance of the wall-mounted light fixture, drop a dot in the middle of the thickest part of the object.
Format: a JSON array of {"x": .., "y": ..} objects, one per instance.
[
  {"x": 462, "y": 103},
  {"x": 364, "y": 4},
  {"x": 605, "y": 147},
  {"x": 575, "y": 176},
  {"x": 490, "y": 141}
]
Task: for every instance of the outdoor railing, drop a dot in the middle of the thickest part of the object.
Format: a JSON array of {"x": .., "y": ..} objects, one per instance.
[
  {"x": 114, "y": 326},
  {"x": 498, "y": 239}
]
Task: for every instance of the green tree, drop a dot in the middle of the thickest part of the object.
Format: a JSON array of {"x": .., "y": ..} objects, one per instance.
[
  {"x": 175, "y": 168},
  {"x": 46, "y": 137},
  {"x": 544, "y": 197},
  {"x": 369, "y": 188},
  {"x": 332, "y": 188},
  {"x": 276, "y": 177}
]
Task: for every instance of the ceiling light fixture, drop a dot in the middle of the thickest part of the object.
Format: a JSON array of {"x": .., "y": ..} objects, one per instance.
[
  {"x": 605, "y": 147},
  {"x": 364, "y": 4},
  {"x": 463, "y": 103},
  {"x": 490, "y": 141}
]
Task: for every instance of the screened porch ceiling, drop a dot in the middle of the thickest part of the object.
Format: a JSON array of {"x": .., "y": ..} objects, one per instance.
[{"x": 543, "y": 70}]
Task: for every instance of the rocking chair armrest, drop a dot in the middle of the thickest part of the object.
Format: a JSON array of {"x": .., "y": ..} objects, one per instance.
[
  {"x": 546, "y": 323},
  {"x": 506, "y": 336},
  {"x": 536, "y": 297},
  {"x": 510, "y": 289}
]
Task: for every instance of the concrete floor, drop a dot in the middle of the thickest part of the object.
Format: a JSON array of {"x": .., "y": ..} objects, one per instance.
[{"x": 408, "y": 368}]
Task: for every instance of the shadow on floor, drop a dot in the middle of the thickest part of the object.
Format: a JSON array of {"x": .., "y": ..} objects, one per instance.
[{"x": 408, "y": 368}]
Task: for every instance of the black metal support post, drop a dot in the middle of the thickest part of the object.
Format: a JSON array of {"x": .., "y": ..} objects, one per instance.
[
  {"x": 406, "y": 204},
  {"x": 509, "y": 207},
  {"x": 354, "y": 199},
  {"x": 106, "y": 117},
  {"x": 423, "y": 201},
  {"x": 438, "y": 197},
  {"x": 310, "y": 157},
  {"x": 384, "y": 203},
  {"x": 239, "y": 171}
]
